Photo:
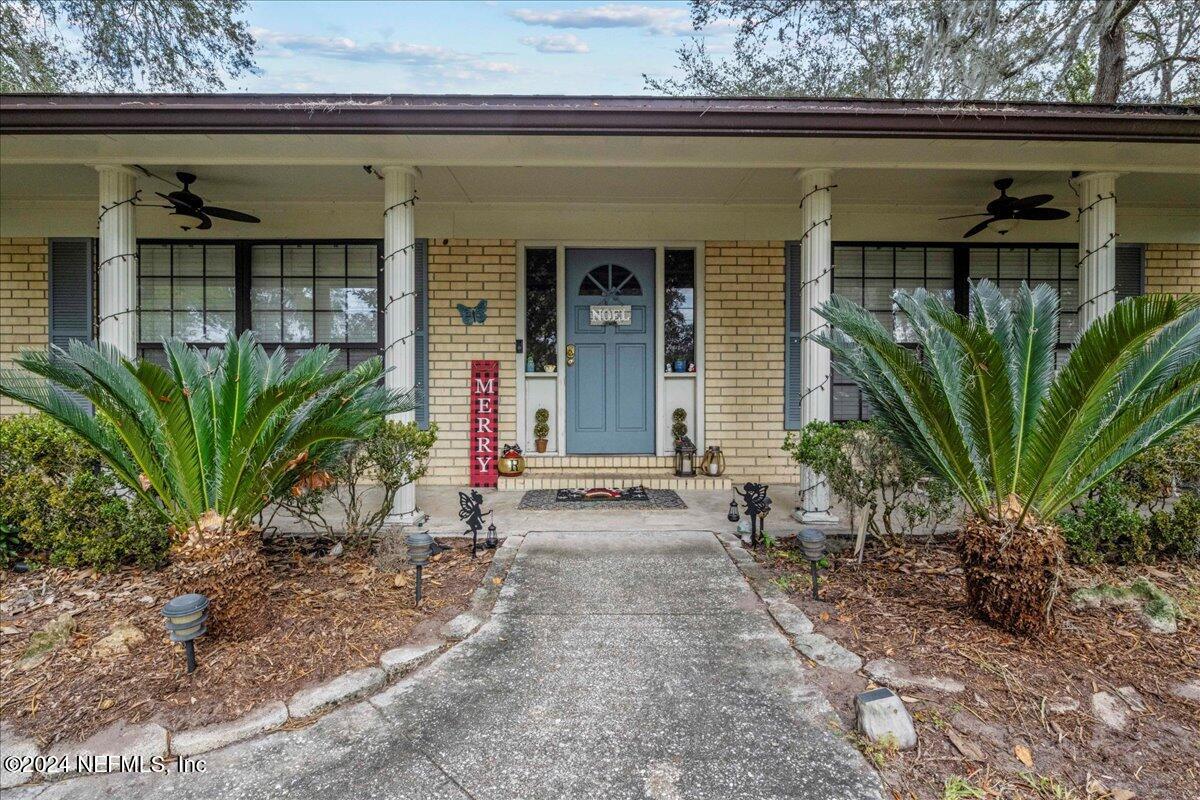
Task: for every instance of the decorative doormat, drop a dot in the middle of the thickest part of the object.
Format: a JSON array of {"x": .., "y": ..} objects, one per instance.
[{"x": 634, "y": 499}]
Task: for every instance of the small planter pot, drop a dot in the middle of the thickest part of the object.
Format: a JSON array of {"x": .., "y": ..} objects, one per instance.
[{"x": 540, "y": 444}]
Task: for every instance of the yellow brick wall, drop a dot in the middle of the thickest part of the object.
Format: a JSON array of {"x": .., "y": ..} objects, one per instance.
[
  {"x": 744, "y": 351},
  {"x": 1173, "y": 268},
  {"x": 24, "y": 310},
  {"x": 467, "y": 271}
]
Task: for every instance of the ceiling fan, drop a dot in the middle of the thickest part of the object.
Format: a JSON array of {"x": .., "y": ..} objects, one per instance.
[
  {"x": 186, "y": 203},
  {"x": 1006, "y": 209}
]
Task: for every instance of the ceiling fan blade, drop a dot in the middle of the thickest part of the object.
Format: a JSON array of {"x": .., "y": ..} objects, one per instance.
[
  {"x": 1033, "y": 200},
  {"x": 205, "y": 222},
  {"x": 962, "y": 216},
  {"x": 980, "y": 226},
  {"x": 230, "y": 214},
  {"x": 1041, "y": 213}
]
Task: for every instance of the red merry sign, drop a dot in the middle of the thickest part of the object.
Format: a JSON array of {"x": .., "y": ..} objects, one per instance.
[{"x": 485, "y": 399}]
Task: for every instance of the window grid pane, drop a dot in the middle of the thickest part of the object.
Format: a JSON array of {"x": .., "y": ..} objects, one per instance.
[{"x": 679, "y": 318}]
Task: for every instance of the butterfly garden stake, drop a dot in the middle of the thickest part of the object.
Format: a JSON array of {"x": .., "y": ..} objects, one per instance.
[{"x": 473, "y": 316}]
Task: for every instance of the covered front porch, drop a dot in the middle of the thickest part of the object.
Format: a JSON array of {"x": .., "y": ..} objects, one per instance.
[{"x": 708, "y": 252}]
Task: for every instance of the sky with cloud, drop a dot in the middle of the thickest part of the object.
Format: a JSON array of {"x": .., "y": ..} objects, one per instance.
[{"x": 471, "y": 47}]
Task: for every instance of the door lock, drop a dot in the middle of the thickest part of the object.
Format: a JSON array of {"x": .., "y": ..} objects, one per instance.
[{"x": 570, "y": 355}]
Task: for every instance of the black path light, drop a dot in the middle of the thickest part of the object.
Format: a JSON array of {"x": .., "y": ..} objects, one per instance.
[
  {"x": 185, "y": 617},
  {"x": 812, "y": 542},
  {"x": 491, "y": 542},
  {"x": 470, "y": 511},
  {"x": 420, "y": 547},
  {"x": 758, "y": 505},
  {"x": 733, "y": 515}
]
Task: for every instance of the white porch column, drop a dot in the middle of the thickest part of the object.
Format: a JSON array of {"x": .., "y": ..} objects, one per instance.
[
  {"x": 1097, "y": 244},
  {"x": 399, "y": 317},
  {"x": 118, "y": 259},
  {"x": 816, "y": 216}
]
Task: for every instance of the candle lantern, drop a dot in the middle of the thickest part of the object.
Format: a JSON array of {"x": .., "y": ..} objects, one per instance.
[
  {"x": 713, "y": 463},
  {"x": 420, "y": 547},
  {"x": 491, "y": 542},
  {"x": 812, "y": 543},
  {"x": 185, "y": 617},
  {"x": 733, "y": 516},
  {"x": 685, "y": 458}
]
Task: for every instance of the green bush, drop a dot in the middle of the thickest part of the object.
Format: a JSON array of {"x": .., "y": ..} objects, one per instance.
[
  {"x": 61, "y": 505},
  {"x": 1106, "y": 528},
  {"x": 395, "y": 455},
  {"x": 1176, "y": 533},
  {"x": 1155, "y": 475}
]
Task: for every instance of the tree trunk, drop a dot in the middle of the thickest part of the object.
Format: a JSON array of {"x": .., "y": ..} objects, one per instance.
[
  {"x": 1110, "y": 67},
  {"x": 229, "y": 569},
  {"x": 1012, "y": 574}
]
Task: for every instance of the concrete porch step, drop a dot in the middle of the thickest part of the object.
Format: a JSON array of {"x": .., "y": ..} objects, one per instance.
[{"x": 586, "y": 479}]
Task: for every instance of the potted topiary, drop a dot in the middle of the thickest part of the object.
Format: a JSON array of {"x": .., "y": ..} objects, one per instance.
[
  {"x": 541, "y": 428},
  {"x": 679, "y": 428}
]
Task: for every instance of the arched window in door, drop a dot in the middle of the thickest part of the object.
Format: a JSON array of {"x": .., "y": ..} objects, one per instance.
[{"x": 610, "y": 281}]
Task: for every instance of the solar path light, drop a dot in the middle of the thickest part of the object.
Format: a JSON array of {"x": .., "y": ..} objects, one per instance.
[
  {"x": 185, "y": 617},
  {"x": 812, "y": 542},
  {"x": 420, "y": 547}
]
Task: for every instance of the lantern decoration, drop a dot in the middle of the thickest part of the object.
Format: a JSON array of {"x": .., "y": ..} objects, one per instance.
[
  {"x": 733, "y": 515},
  {"x": 812, "y": 543},
  {"x": 685, "y": 458},
  {"x": 491, "y": 542},
  {"x": 512, "y": 462},
  {"x": 185, "y": 618},
  {"x": 758, "y": 505},
  {"x": 713, "y": 463},
  {"x": 470, "y": 511},
  {"x": 420, "y": 547}
]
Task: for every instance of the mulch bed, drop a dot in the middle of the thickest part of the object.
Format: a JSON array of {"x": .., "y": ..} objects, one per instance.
[
  {"x": 328, "y": 615},
  {"x": 908, "y": 605}
]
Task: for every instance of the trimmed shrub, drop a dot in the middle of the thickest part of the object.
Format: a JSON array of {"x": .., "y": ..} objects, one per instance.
[
  {"x": 1176, "y": 533},
  {"x": 62, "y": 506},
  {"x": 1106, "y": 528}
]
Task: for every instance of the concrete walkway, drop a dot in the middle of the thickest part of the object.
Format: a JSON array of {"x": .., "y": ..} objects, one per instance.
[{"x": 615, "y": 665}]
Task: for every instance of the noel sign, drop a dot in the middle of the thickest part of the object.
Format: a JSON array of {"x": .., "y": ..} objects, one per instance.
[
  {"x": 611, "y": 315},
  {"x": 485, "y": 401}
]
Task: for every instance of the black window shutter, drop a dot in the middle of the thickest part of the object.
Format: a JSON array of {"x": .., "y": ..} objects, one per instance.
[
  {"x": 70, "y": 283},
  {"x": 1130, "y": 263},
  {"x": 421, "y": 312},
  {"x": 792, "y": 372},
  {"x": 70, "y": 290}
]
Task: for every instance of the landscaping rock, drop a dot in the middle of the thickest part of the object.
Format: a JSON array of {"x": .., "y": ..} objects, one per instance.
[
  {"x": 1110, "y": 711},
  {"x": 19, "y": 747},
  {"x": 1132, "y": 698},
  {"x": 403, "y": 659},
  {"x": 739, "y": 554},
  {"x": 1067, "y": 705},
  {"x": 827, "y": 652},
  {"x": 890, "y": 673},
  {"x": 392, "y": 694},
  {"x": 882, "y": 717},
  {"x": 349, "y": 686},
  {"x": 109, "y": 746},
  {"x": 1187, "y": 691},
  {"x": 54, "y": 635},
  {"x": 200, "y": 740},
  {"x": 461, "y": 626},
  {"x": 1159, "y": 611},
  {"x": 121, "y": 640},
  {"x": 793, "y": 621}
]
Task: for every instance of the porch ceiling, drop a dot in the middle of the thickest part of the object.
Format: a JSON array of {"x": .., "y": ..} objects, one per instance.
[{"x": 246, "y": 185}]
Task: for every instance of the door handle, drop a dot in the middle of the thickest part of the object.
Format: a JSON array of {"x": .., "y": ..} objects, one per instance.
[{"x": 570, "y": 355}]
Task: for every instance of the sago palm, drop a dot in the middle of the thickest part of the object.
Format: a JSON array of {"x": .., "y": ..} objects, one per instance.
[
  {"x": 982, "y": 406},
  {"x": 209, "y": 440}
]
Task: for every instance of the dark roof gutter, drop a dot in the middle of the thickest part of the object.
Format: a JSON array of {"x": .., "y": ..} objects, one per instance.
[{"x": 596, "y": 116}]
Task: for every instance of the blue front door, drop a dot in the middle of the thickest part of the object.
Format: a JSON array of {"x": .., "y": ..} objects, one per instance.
[{"x": 610, "y": 385}]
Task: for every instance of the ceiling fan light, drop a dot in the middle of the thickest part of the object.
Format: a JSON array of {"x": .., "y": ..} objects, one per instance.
[{"x": 1004, "y": 226}]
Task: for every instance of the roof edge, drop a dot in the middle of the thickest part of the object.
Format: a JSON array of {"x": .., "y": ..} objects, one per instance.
[{"x": 591, "y": 115}]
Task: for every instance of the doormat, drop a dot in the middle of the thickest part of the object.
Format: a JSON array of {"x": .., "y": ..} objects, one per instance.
[{"x": 636, "y": 499}]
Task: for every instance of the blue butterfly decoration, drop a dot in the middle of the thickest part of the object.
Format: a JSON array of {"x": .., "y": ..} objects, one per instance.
[{"x": 473, "y": 316}]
